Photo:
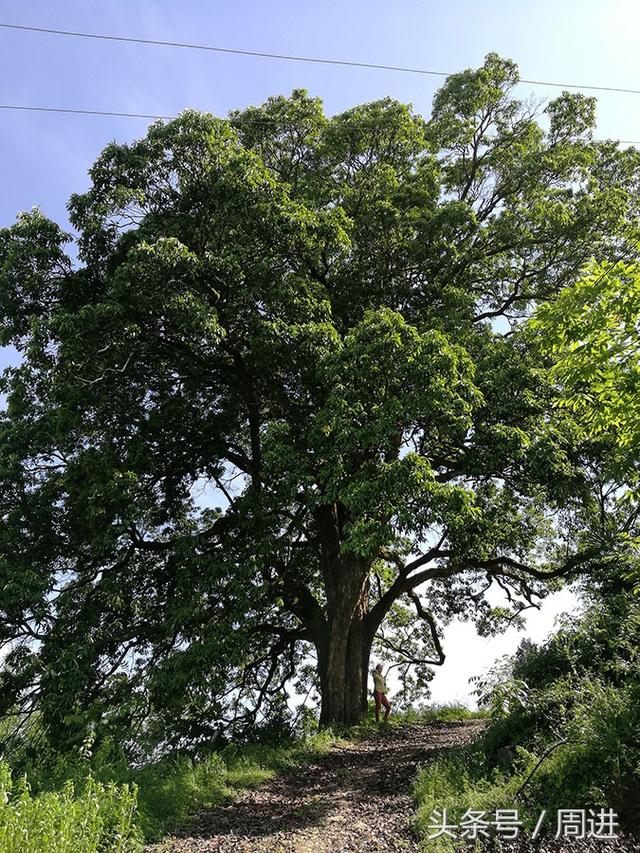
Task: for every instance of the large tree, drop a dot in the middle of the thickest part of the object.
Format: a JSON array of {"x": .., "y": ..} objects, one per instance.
[{"x": 283, "y": 396}]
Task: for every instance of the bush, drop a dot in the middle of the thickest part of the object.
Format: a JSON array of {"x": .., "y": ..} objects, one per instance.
[
  {"x": 564, "y": 729},
  {"x": 93, "y": 818},
  {"x": 115, "y": 804}
]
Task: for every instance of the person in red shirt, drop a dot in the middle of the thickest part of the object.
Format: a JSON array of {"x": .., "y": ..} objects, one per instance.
[{"x": 379, "y": 693}]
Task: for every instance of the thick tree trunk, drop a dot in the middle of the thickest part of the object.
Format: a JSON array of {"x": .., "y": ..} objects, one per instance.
[
  {"x": 344, "y": 670},
  {"x": 345, "y": 645}
]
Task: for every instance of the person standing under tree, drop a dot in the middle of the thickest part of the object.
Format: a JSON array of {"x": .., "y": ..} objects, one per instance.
[{"x": 379, "y": 693}]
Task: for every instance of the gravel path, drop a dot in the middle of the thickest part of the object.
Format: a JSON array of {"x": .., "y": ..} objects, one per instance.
[{"x": 356, "y": 798}]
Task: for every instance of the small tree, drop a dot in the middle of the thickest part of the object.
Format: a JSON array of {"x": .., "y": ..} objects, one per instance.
[{"x": 317, "y": 322}]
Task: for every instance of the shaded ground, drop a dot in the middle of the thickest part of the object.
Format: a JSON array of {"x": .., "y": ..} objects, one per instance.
[{"x": 354, "y": 799}]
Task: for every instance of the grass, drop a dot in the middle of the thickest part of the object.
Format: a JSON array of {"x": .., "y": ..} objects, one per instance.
[
  {"x": 115, "y": 808},
  {"x": 593, "y": 763},
  {"x": 457, "y": 782},
  {"x": 168, "y": 792}
]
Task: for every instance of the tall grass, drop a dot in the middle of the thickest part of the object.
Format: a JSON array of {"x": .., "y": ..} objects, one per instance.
[
  {"x": 91, "y": 818},
  {"x": 171, "y": 790}
]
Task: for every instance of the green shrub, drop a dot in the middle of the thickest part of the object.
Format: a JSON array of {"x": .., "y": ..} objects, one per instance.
[
  {"x": 572, "y": 742},
  {"x": 67, "y": 792},
  {"x": 598, "y": 764},
  {"x": 93, "y": 818},
  {"x": 89, "y": 802}
]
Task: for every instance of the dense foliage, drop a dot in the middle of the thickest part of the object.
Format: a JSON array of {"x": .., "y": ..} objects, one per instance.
[
  {"x": 94, "y": 818},
  {"x": 591, "y": 330},
  {"x": 565, "y": 717},
  {"x": 283, "y": 406}
]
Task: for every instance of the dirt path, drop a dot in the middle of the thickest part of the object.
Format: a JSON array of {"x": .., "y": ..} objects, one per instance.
[{"x": 356, "y": 798}]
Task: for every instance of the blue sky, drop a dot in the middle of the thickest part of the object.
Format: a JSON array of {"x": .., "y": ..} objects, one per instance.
[{"x": 45, "y": 157}]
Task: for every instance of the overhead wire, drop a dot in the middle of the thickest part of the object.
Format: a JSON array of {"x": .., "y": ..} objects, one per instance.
[
  {"x": 294, "y": 58},
  {"x": 277, "y": 56},
  {"x": 261, "y": 54},
  {"x": 27, "y": 108},
  {"x": 239, "y": 120}
]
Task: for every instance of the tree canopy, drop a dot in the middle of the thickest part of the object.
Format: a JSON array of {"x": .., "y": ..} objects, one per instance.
[{"x": 285, "y": 404}]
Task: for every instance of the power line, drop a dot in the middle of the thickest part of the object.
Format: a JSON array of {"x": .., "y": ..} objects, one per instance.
[
  {"x": 82, "y": 112},
  {"x": 294, "y": 58},
  {"x": 77, "y": 111},
  {"x": 240, "y": 121}
]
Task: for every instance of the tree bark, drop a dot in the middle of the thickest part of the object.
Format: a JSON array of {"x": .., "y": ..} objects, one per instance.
[
  {"x": 344, "y": 668},
  {"x": 345, "y": 646}
]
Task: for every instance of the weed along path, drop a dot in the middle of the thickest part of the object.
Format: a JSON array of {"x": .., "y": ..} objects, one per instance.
[{"x": 355, "y": 798}]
